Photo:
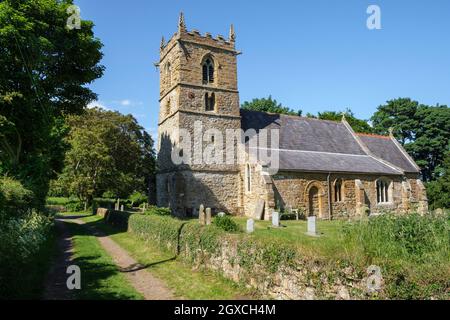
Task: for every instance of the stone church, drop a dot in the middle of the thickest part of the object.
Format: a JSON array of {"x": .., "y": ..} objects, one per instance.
[{"x": 325, "y": 168}]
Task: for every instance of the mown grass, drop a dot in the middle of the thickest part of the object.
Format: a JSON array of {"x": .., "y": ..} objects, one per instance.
[
  {"x": 329, "y": 242},
  {"x": 180, "y": 277},
  {"x": 100, "y": 277}
]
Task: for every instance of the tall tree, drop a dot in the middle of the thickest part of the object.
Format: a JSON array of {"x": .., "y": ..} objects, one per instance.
[
  {"x": 269, "y": 105},
  {"x": 358, "y": 125},
  {"x": 44, "y": 70},
  {"x": 438, "y": 191},
  {"x": 400, "y": 115},
  {"x": 423, "y": 130},
  {"x": 109, "y": 152}
]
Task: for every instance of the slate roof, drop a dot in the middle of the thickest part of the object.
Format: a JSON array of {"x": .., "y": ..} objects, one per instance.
[
  {"x": 388, "y": 150},
  {"x": 308, "y": 144}
]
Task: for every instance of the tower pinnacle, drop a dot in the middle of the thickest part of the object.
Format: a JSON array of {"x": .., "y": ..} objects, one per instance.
[{"x": 181, "y": 23}]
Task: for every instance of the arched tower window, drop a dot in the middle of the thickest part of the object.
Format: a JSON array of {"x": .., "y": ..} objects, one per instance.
[
  {"x": 338, "y": 192},
  {"x": 210, "y": 101},
  {"x": 208, "y": 71},
  {"x": 383, "y": 195}
]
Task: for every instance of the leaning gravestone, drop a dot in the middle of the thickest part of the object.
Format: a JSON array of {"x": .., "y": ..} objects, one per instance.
[
  {"x": 275, "y": 219},
  {"x": 250, "y": 225},
  {"x": 259, "y": 210},
  {"x": 208, "y": 216},
  {"x": 201, "y": 215},
  {"x": 312, "y": 226}
]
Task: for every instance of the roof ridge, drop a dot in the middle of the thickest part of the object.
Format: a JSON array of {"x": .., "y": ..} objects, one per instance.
[
  {"x": 362, "y": 134},
  {"x": 292, "y": 116}
]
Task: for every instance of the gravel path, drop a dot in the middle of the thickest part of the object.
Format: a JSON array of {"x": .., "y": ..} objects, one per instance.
[
  {"x": 141, "y": 279},
  {"x": 55, "y": 283}
]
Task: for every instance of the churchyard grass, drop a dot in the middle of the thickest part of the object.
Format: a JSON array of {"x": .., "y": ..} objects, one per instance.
[
  {"x": 412, "y": 251},
  {"x": 179, "y": 276},
  {"x": 294, "y": 232}
]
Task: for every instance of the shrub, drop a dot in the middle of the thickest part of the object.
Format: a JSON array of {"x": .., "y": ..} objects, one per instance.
[
  {"x": 109, "y": 195},
  {"x": 21, "y": 241},
  {"x": 226, "y": 223},
  {"x": 137, "y": 198},
  {"x": 118, "y": 219},
  {"x": 158, "y": 211},
  {"x": 74, "y": 206},
  {"x": 196, "y": 241},
  {"x": 14, "y": 197},
  {"x": 162, "y": 230},
  {"x": 104, "y": 203},
  {"x": 288, "y": 216}
]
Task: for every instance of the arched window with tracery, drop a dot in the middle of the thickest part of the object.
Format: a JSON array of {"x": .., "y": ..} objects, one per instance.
[
  {"x": 383, "y": 194},
  {"x": 208, "y": 71}
]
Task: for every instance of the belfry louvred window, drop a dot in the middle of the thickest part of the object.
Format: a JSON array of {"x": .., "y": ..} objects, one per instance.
[{"x": 208, "y": 71}]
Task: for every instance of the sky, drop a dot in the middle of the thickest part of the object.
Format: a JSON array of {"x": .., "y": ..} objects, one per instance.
[{"x": 315, "y": 55}]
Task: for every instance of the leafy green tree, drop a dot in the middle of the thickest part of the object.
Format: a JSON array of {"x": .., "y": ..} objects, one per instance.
[
  {"x": 400, "y": 115},
  {"x": 44, "y": 70},
  {"x": 269, "y": 105},
  {"x": 438, "y": 191},
  {"x": 108, "y": 152},
  {"x": 357, "y": 125},
  {"x": 423, "y": 130}
]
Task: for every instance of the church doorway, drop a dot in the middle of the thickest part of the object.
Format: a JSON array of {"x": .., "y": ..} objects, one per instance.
[{"x": 315, "y": 201}]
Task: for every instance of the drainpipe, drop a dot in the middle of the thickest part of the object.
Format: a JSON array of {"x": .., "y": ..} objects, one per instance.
[{"x": 329, "y": 196}]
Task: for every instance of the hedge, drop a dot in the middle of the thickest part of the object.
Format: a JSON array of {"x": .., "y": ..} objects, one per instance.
[
  {"x": 195, "y": 242},
  {"x": 118, "y": 218},
  {"x": 163, "y": 230}
]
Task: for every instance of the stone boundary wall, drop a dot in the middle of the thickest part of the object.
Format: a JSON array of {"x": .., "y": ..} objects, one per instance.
[{"x": 275, "y": 269}]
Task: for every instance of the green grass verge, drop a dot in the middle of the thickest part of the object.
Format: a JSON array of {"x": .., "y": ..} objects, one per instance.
[
  {"x": 187, "y": 283},
  {"x": 100, "y": 277}
]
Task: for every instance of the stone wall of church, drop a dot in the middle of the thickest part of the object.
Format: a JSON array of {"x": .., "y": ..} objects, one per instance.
[
  {"x": 359, "y": 194},
  {"x": 184, "y": 191}
]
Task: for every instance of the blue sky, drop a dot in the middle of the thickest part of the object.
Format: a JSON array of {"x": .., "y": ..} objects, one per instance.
[{"x": 309, "y": 55}]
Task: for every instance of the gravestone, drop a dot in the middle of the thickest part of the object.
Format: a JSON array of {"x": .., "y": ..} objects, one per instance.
[
  {"x": 201, "y": 215},
  {"x": 208, "y": 216},
  {"x": 121, "y": 208},
  {"x": 259, "y": 210},
  {"x": 275, "y": 219},
  {"x": 250, "y": 225},
  {"x": 221, "y": 214},
  {"x": 312, "y": 226}
]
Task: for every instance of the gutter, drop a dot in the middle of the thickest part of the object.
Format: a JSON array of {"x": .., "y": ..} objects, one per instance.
[{"x": 329, "y": 195}]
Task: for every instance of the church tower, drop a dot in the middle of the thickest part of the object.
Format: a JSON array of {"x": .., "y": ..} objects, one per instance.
[{"x": 198, "y": 94}]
